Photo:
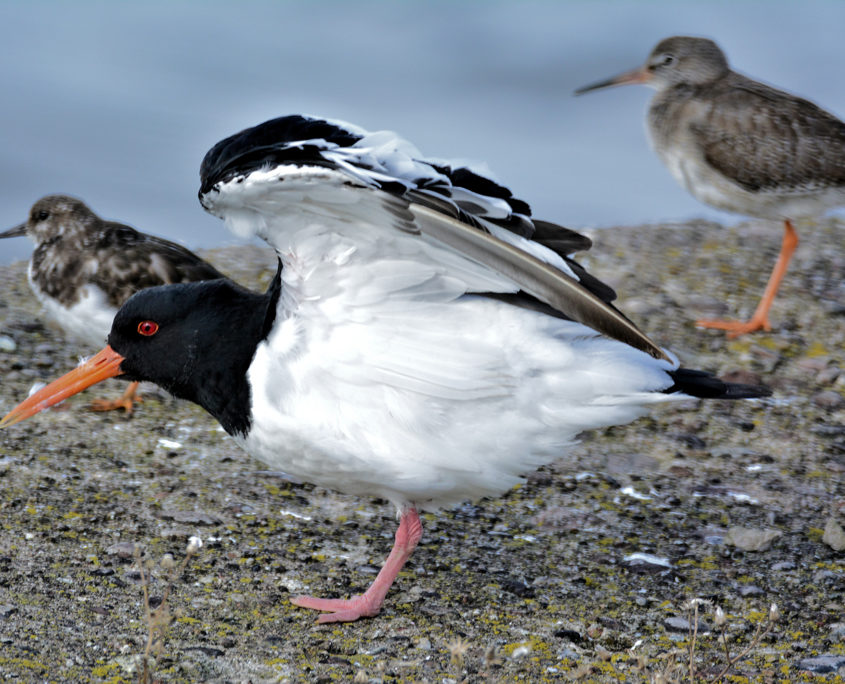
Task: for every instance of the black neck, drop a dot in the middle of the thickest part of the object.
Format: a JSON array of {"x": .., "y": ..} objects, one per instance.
[
  {"x": 208, "y": 337},
  {"x": 225, "y": 392}
]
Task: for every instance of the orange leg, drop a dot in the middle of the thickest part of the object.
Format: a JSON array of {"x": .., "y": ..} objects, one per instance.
[
  {"x": 125, "y": 402},
  {"x": 369, "y": 603},
  {"x": 760, "y": 319}
]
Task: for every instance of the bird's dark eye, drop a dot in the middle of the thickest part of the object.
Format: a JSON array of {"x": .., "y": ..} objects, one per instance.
[
  {"x": 42, "y": 215},
  {"x": 147, "y": 328},
  {"x": 668, "y": 59}
]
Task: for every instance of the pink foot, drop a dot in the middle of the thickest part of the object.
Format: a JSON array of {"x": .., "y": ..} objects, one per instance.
[
  {"x": 369, "y": 603},
  {"x": 340, "y": 610}
]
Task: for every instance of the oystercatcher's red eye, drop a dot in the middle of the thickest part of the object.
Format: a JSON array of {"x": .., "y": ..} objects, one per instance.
[{"x": 147, "y": 328}]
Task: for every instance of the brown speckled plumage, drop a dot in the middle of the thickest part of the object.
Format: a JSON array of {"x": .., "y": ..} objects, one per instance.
[
  {"x": 84, "y": 268},
  {"x": 75, "y": 247}
]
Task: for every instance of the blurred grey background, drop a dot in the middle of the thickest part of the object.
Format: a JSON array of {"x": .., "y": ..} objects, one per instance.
[{"x": 116, "y": 103}]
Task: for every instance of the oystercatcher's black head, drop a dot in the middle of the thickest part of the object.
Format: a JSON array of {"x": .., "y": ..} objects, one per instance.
[{"x": 196, "y": 340}]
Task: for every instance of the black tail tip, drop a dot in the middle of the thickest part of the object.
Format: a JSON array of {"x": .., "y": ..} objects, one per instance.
[{"x": 733, "y": 385}]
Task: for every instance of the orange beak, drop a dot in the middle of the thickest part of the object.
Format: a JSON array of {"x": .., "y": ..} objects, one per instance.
[
  {"x": 105, "y": 364},
  {"x": 640, "y": 75}
]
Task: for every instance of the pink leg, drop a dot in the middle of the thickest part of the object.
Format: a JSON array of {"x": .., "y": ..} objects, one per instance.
[{"x": 369, "y": 603}]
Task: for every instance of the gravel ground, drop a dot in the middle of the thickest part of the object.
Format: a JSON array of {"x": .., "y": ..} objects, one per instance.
[{"x": 584, "y": 573}]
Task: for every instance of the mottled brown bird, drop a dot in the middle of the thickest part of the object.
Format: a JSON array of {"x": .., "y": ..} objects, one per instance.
[
  {"x": 740, "y": 145},
  {"x": 84, "y": 268}
]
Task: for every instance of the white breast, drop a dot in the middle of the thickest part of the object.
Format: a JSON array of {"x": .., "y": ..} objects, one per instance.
[
  {"x": 438, "y": 404},
  {"x": 89, "y": 320}
]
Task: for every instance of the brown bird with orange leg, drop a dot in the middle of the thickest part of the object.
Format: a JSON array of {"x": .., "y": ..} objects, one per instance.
[{"x": 740, "y": 145}]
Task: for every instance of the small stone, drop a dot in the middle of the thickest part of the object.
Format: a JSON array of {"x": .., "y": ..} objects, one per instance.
[
  {"x": 7, "y": 344},
  {"x": 834, "y": 535},
  {"x": 751, "y": 539},
  {"x": 677, "y": 624},
  {"x": 829, "y": 375},
  {"x": 569, "y": 634},
  {"x": 813, "y": 363},
  {"x": 124, "y": 549},
  {"x": 750, "y": 590},
  {"x": 190, "y": 517},
  {"x": 783, "y": 565},
  {"x": 829, "y": 576},
  {"x": 823, "y": 664},
  {"x": 521, "y": 651},
  {"x": 647, "y": 562},
  {"x": 828, "y": 400}
]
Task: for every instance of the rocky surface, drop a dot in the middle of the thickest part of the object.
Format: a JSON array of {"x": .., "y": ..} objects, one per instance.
[{"x": 587, "y": 572}]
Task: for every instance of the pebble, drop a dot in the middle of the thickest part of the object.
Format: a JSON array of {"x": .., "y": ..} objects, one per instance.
[
  {"x": 42, "y": 361},
  {"x": 648, "y": 559},
  {"x": 7, "y": 344},
  {"x": 677, "y": 624},
  {"x": 124, "y": 549},
  {"x": 834, "y": 535},
  {"x": 822, "y": 664},
  {"x": 783, "y": 565},
  {"x": 751, "y": 539},
  {"x": 828, "y": 399},
  {"x": 813, "y": 363},
  {"x": 828, "y": 576},
  {"x": 190, "y": 517},
  {"x": 829, "y": 375}
]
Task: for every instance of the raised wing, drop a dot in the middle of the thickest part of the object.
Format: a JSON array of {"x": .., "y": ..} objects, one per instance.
[{"x": 295, "y": 180}]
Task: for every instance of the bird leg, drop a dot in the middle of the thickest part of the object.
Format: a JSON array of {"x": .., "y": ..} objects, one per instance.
[
  {"x": 369, "y": 603},
  {"x": 125, "y": 402},
  {"x": 760, "y": 319}
]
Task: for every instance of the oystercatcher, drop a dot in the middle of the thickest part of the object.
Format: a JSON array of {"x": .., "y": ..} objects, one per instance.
[
  {"x": 741, "y": 146},
  {"x": 427, "y": 341},
  {"x": 83, "y": 268}
]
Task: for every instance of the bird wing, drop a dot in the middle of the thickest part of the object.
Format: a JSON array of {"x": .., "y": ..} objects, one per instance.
[
  {"x": 359, "y": 216},
  {"x": 128, "y": 261},
  {"x": 762, "y": 139}
]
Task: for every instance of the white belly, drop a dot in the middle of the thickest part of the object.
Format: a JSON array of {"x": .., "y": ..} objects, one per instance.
[
  {"x": 711, "y": 187},
  {"x": 89, "y": 320},
  {"x": 457, "y": 403}
]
